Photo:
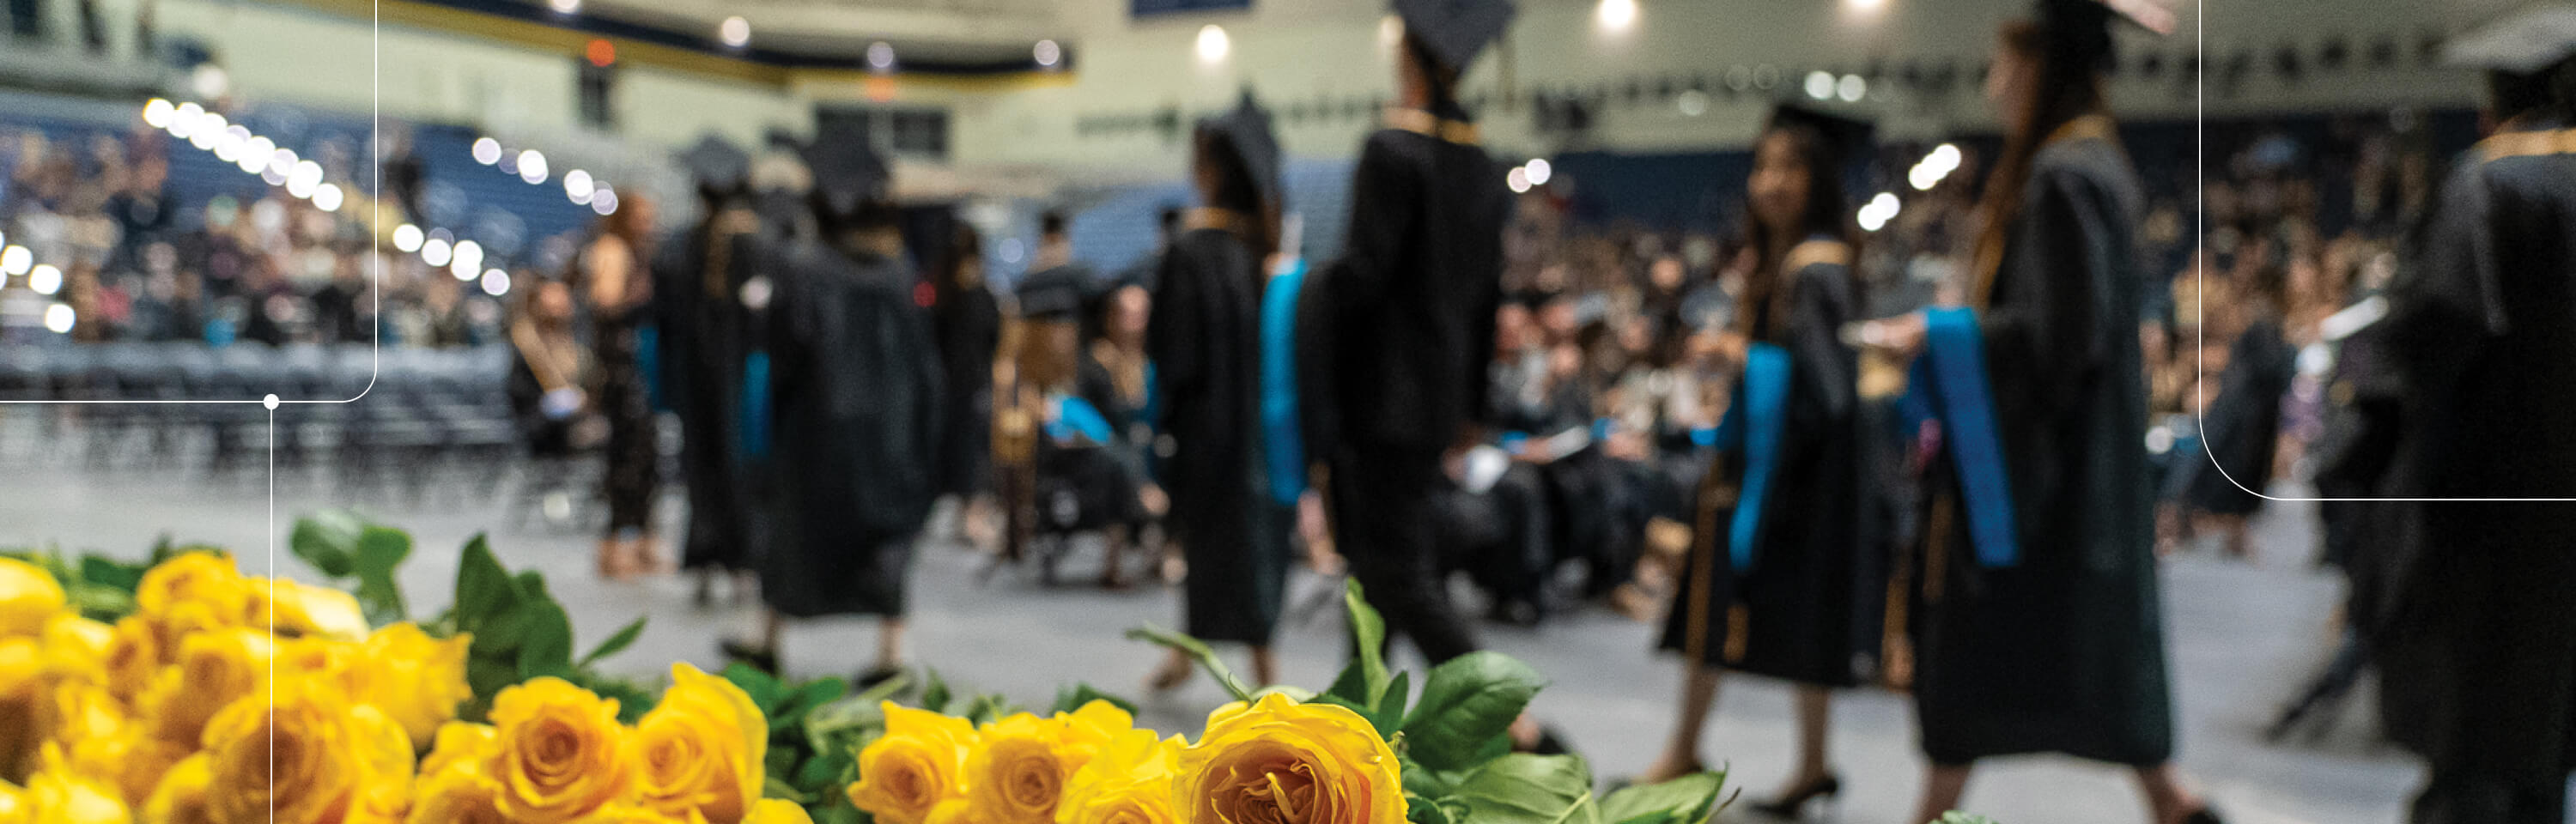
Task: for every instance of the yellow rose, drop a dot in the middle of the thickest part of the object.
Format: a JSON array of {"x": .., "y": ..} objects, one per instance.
[
  {"x": 302, "y": 610},
  {"x": 305, "y": 759},
  {"x": 133, "y": 655},
  {"x": 1279, "y": 760},
  {"x": 180, "y": 798},
  {"x": 920, "y": 761},
  {"x": 81, "y": 711},
  {"x": 212, "y": 670},
  {"x": 193, "y": 592},
  {"x": 76, "y": 647},
  {"x": 22, "y": 706},
  {"x": 775, "y": 811},
  {"x": 627, "y": 814},
  {"x": 462, "y": 745},
  {"x": 562, "y": 751},
  {"x": 701, "y": 749},
  {"x": 131, "y": 760},
  {"x": 459, "y": 795},
  {"x": 417, "y": 680},
  {"x": 57, "y": 795},
  {"x": 28, "y": 597},
  {"x": 14, "y": 806},
  {"x": 1130, "y": 782},
  {"x": 384, "y": 793},
  {"x": 954, "y": 811},
  {"x": 1019, "y": 771}
]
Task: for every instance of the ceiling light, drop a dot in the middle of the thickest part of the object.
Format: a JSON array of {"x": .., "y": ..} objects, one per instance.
[
  {"x": 1047, "y": 53},
  {"x": 1213, "y": 44},
  {"x": 735, "y": 32},
  {"x": 1616, "y": 15},
  {"x": 487, "y": 151},
  {"x": 1820, "y": 85}
]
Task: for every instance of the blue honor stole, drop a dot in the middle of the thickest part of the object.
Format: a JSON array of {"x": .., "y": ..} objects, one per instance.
[
  {"x": 1754, "y": 425},
  {"x": 755, "y": 406},
  {"x": 1948, "y": 384},
  {"x": 1283, "y": 443}
]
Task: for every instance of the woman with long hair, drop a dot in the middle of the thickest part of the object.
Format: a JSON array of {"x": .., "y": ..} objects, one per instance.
[
  {"x": 1206, "y": 345},
  {"x": 1771, "y": 586},
  {"x": 2037, "y": 623},
  {"x": 614, "y": 280},
  {"x": 968, "y": 321}
]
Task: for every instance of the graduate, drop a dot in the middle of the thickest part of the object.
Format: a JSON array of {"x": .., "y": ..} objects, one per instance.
[
  {"x": 703, "y": 348},
  {"x": 857, "y": 417},
  {"x": 1206, "y": 346},
  {"x": 1396, "y": 335},
  {"x": 1773, "y": 584},
  {"x": 2038, "y": 626},
  {"x": 2476, "y": 641},
  {"x": 1060, "y": 424},
  {"x": 968, "y": 320}
]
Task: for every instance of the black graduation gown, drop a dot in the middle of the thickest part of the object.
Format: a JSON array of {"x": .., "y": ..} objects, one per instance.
[
  {"x": 1206, "y": 344},
  {"x": 1394, "y": 339},
  {"x": 2478, "y": 655},
  {"x": 969, "y": 324},
  {"x": 1801, "y": 611},
  {"x": 2065, "y": 651},
  {"x": 2243, "y": 425},
  {"x": 704, "y": 340},
  {"x": 857, "y": 429}
]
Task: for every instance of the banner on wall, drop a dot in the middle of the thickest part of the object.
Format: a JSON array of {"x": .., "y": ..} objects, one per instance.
[{"x": 1148, "y": 8}]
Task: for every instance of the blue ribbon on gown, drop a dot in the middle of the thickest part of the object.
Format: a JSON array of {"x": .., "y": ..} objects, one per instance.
[
  {"x": 1755, "y": 425},
  {"x": 1949, "y": 384},
  {"x": 1283, "y": 443},
  {"x": 755, "y": 406},
  {"x": 1077, "y": 417}
]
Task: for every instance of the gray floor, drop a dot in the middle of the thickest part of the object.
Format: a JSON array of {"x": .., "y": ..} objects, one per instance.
[{"x": 2243, "y": 636}]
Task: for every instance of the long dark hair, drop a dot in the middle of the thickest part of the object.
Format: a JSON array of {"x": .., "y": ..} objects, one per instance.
[
  {"x": 1236, "y": 191},
  {"x": 1826, "y": 213},
  {"x": 2067, "y": 54}
]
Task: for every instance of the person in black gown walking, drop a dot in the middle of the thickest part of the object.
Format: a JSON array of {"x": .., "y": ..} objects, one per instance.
[
  {"x": 1206, "y": 346},
  {"x": 2039, "y": 626},
  {"x": 703, "y": 346},
  {"x": 1773, "y": 584},
  {"x": 1398, "y": 332}
]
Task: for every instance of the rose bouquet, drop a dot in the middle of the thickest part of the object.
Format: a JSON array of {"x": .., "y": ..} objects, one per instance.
[{"x": 182, "y": 690}]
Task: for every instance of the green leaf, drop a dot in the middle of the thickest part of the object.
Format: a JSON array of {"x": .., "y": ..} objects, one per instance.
[
  {"x": 1078, "y": 695},
  {"x": 1389, "y": 714},
  {"x": 1467, "y": 704},
  {"x": 1351, "y": 685},
  {"x": 1690, "y": 799},
  {"x": 818, "y": 774},
  {"x": 1423, "y": 810},
  {"x": 764, "y": 689},
  {"x": 547, "y": 649},
  {"x": 1368, "y": 631},
  {"x": 841, "y": 813},
  {"x": 328, "y": 540},
  {"x": 934, "y": 693},
  {"x": 1520, "y": 788},
  {"x": 1198, "y": 650},
  {"x": 380, "y": 552},
  {"x": 1956, "y": 817},
  {"x": 483, "y": 588},
  {"x": 1428, "y": 782},
  {"x": 782, "y": 790},
  {"x": 616, "y": 643},
  {"x": 792, "y": 708},
  {"x": 110, "y": 574},
  {"x": 488, "y": 675},
  {"x": 986, "y": 709},
  {"x": 97, "y": 603}
]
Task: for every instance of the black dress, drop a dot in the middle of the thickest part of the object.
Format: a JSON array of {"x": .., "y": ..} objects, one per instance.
[
  {"x": 857, "y": 393},
  {"x": 1395, "y": 338},
  {"x": 703, "y": 343},
  {"x": 633, "y": 451},
  {"x": 969, "y": 324},
  {"x": 1803, "y": 610},
  {"x": 2478, "y": 647},
  {"x": 2063, "y": 652},
  {"x": 2244, "y": 422},
  {"x": 1206, "y": 343}
]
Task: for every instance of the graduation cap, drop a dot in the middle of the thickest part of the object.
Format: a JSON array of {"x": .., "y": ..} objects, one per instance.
[
  {"x": 2077, "y": 33},
  {"x": 1846, "y": 138},
  {"x": 1054, "y": 294},
  {"x": 717, "y": 164},
  {"x": 848, "y": 174},
  {"x": 1247, "y": 130},
  {"x": 1455, "y": 30},
  {"x": 2524, "y": 43}
]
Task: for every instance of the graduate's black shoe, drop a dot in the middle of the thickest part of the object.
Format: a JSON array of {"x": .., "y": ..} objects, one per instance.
[
  {"x": 1825, "y": 786},
  {"x": 750, "y": 655},
  {"x": 2204, "y": 815}
]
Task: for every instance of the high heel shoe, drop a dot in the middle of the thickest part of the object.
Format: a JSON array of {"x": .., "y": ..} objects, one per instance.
[{"x": 1789, "y": 806}]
